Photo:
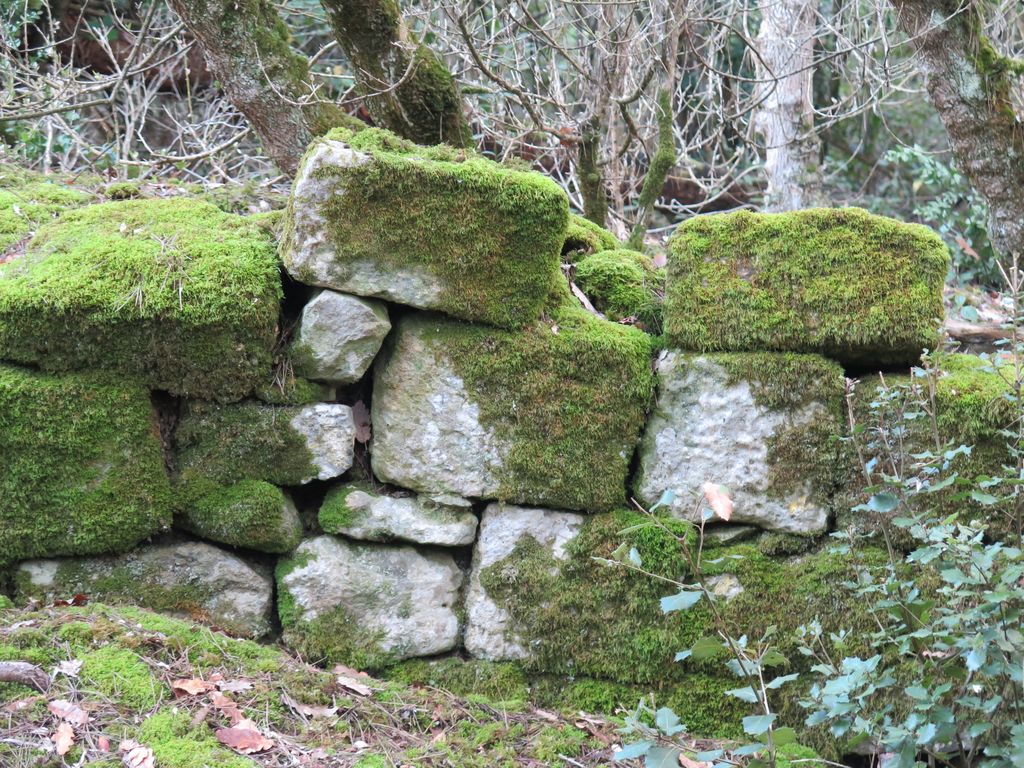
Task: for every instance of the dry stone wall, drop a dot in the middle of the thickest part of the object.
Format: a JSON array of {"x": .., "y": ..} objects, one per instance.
[{"x": 431, "y": 442}]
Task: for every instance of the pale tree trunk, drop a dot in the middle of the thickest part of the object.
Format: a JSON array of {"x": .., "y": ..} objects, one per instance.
[
  {"x": 406, "y": 88},
  {"x": 246, "y": 47},
  {"x": 970, "y": 86},
  {"x": 784, "y": 116}
]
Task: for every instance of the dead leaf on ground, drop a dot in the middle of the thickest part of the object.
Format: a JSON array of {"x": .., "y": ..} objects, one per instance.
[
  {"x": 70, "y": 668},
  {"x": 190, "y": 687},
  {"x": 63, "y": 739},
  {"x": 226, "y": 706},
  {"x": 69, "y": 712},
  {"x": 361, "y": 417},
  {"x": 103, "y": 744},
  {"x": 551, "y": 717},
  {"x": 134, "y": 755},
  {"x": 234, "y": 686},
  {"x": 244, "y": 737},
  {"x": 688, "y": 762},
  {"x": 350, "y": 684},
  {"x": 718, "y": 499},
  {"x": 19, "y": 704},
  {"x": 307, "y": 710}
]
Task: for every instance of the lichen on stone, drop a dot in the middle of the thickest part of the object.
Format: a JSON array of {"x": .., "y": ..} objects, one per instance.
[
  {"x": 861, "y": 288},
  {"x": 172, "y": 291}
]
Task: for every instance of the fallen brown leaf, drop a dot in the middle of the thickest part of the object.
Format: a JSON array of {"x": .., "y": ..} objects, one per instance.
[
  {"x": 234, "y": 686},
  {"x": 244, "y": 737},
  {"x": 69, "y": 712},
  {"x": 134, "y": 755},
  {"x": 361, "y": 417},
  {"x": 103, "y": 744},
  {"x": 190, "y": 687},
  {"x": 63, "y": 739},
  {"x": 355, "y": 686},
  {"x": 307, "y": 710}
]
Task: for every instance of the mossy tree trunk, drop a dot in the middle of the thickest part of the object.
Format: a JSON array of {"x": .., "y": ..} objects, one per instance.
[
  {"x": 589, "y": 174},
  {"x": 661, "y": 165},
  {"x": 784, "y": 116},
  {"x": 246, "y": 47},
  {"x": 970, "y": 85},
  {"x": 406, "y": 88}
]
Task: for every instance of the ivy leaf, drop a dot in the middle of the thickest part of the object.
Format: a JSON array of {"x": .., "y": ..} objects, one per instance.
[
  {"x": 744, "y": 694},
  {"x": 668, "y": 722},
  {"x": 680, "y": 601}
]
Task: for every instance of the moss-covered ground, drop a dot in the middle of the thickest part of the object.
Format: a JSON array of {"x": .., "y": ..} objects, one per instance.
[
  {"x": 173, "y": 291},
  {"x": 489, "y": 234},
  {"x": 857, "y": 287},
  {"x": 118, "y": 665}
]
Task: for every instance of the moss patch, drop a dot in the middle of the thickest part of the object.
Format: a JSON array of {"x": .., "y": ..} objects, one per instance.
[
  {"x": 82, "y": 471},
  {"x": 250, "y": 514},
  {"x": 583, "y": 237},
  {"x": 121, "y": 675},
  {"x": 176, "y": 743},
  {"x": 27, "y": 203},
  {"x": 624, "y": 284},
  {"x": 842, "y": 282},
  {"x": 568, "y": 397},
  {"x": 489, "y": 236},
  {"x": 174, "y": 291}
]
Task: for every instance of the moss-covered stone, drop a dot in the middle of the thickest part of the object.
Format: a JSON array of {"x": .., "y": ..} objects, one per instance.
[
  {"x": 250, "y": 514},
  {"x": 842, "y": 282},
  {"x": 82, "y": 469},
  {"x": 546, "y": 416},
  {"x": 435, "y": 227},
  {"x": 583, "y": 237},
  {"x": 579, "y": 616},
  {"x": 624, "y": 285},
  {"x": 174, "y": 291},
  {"x": 973, "y": 407},
  {"x": 28, "y": 200}
]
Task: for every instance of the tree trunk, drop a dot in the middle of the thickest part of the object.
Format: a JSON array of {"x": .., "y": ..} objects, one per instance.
[
  {"x": 970, "y": 86},
  {"x": 406, "y": 88},
  {"x": 26, "y": 674},
  {"x": 588, "y": 172},
  {"x": 246, "y": 47},
  {"x": 661, "y": 165},
  {"x": 784, "y": 116}
]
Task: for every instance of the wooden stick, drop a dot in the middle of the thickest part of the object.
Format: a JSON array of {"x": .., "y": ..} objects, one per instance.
[{"x": 24, "y": 673}]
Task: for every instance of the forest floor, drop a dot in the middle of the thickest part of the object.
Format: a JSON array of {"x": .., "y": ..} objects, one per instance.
[{"x": 132, "y": 688}]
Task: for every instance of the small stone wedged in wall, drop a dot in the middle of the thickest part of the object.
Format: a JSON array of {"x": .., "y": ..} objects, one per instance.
[
  {"x": 82, "y": 470},
  {"x": 186, "y": 578},
  {"x": 338, "y": 337},
  {"x": 863, "y": 289},
  {"x": 429, "y": 227},
  {"x": 367, "y": 605},
  {"x": 548, "y": 415},
  {"x": 358, "y": 513},
  {"x": 763, "y": 425},
  {"x": 174, "y": 292},
  {"x": 251, "y": 514}
]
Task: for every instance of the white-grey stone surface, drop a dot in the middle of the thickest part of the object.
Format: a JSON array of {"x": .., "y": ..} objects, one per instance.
[
  {"x": 330, "y": 434},
  {"x": 490, "y": 634},
  {"x": 446, "y": 521},
  {"x": 407, "y": 596},
  {"x": 222, "y": 588},
  {"x": 706, "y": 428},
  {"x": 338, "y": 337}
]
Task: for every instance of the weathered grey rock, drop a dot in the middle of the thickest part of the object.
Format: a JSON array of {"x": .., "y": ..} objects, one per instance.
[
  {"x": 489, "y": 634},
  {"x": 188, "y": 578},
  {"x": 330, "y": 433},
  {"x": 759, "y": 424},
  {"x": 484, "y": 413},
  {"x": 401, "y": 601},
  {"x": 357, "y": 513},
  {"x": 731, "y": 534},
  {"x": 338, "y": 337},
  {"x": 376, "y": 216}
]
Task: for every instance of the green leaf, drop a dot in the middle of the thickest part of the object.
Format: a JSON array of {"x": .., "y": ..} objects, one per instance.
[
  {"x": 744, "y": 694},
  {"x": 680, "y": 601},
  {"x": 662, "y": 757},
  {"x": 984, "y": 498},
  {"x": 707, "y": 648},
  {"x": 778, "y": 682},
  {"x": 631, "y": 751},
  {"x": 783, "y": 736},
  {"x": 755, "y": 725},
  {"x": 883, "y": 502},
  {"x": 668, "y": 721},
  {"x": 634, "y": 557},
  {"x": 749, "y": 749}
]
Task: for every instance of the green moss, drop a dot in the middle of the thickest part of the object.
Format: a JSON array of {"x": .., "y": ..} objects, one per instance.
[
  {"x": 176, "y": 743},
  {"x": 228, "y": 443},
  {"x": 504, "y": 682},
  {"x": 623, "y": 284},
  {"x": 173, "y": 291},
  {"x": 294, "y": 390},
  {"x": 489, "y": 235},
  {"x": 584, "y": 618},
  {"x": 121, "y": 675},
  {"x": 568, "y": 395},
  {"x": 250, "y": 513},
  {"x": 5, "y": 603},
  {"x": 842, "y": 282},
  {"x": 26, "y": 206},
  {"x": 124, "y": 190},
  {"x": 82, "y": 471},
  {"x": 335, "y": 513},
  {"x": 584, "y": 237}
]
